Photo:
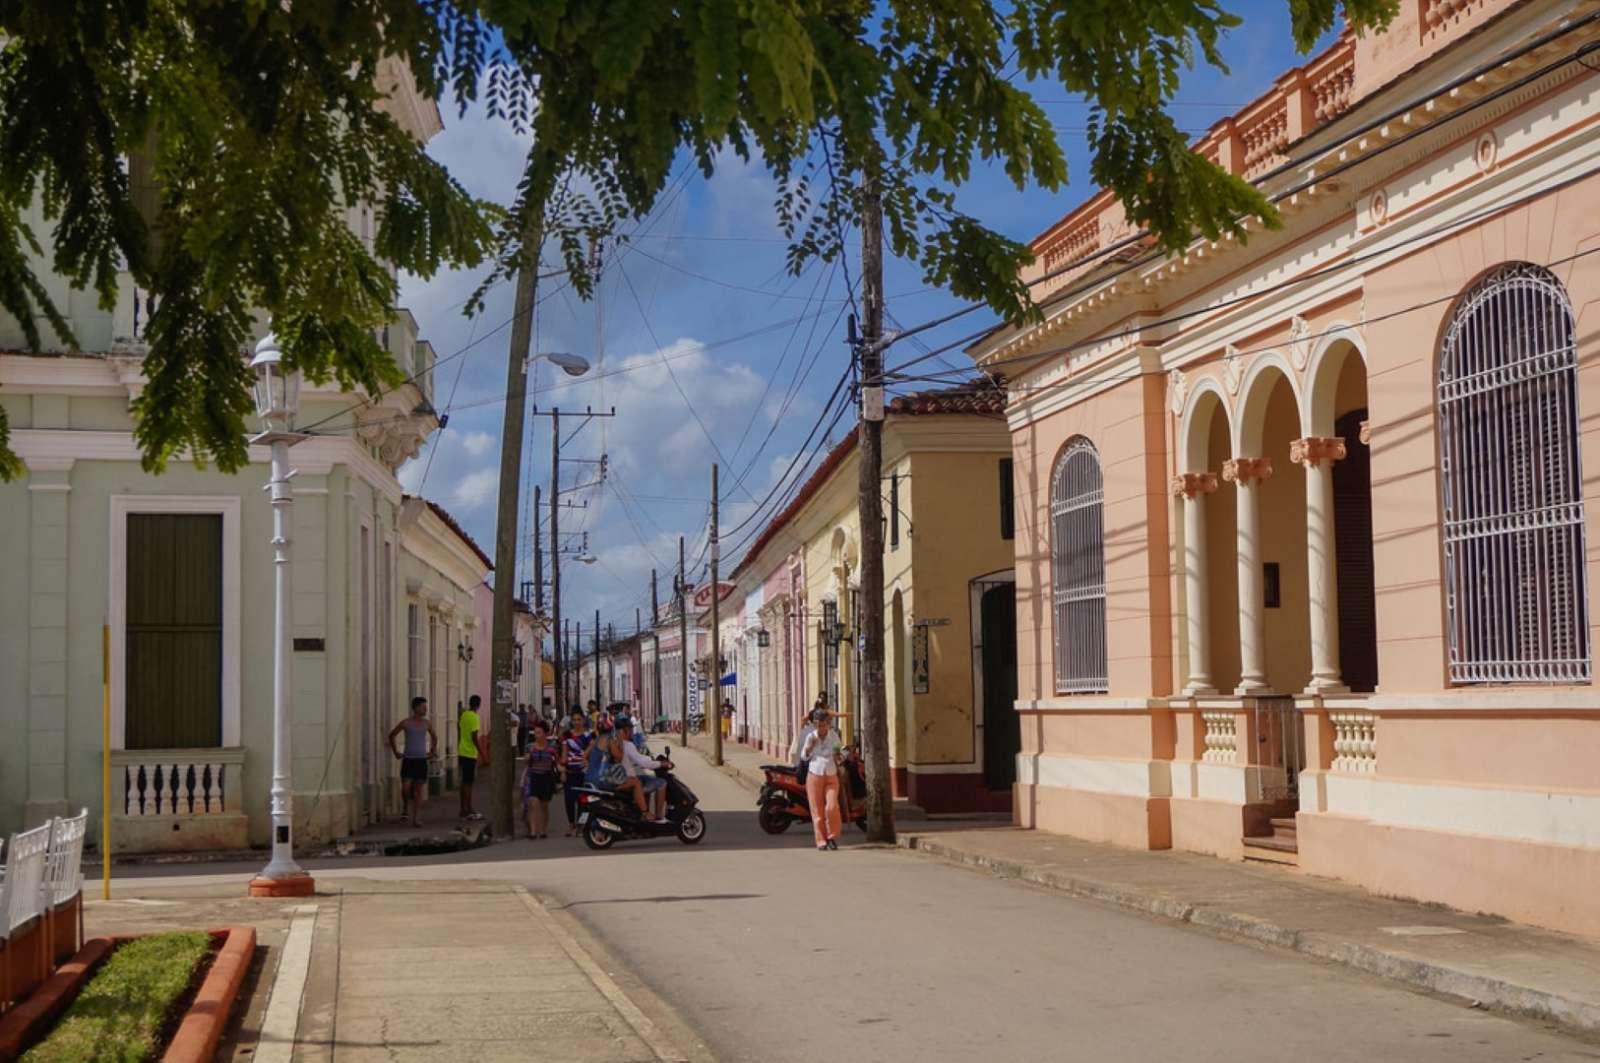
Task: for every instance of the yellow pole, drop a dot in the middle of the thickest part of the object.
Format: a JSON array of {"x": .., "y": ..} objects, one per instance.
[{"x": 105, "y": 762}]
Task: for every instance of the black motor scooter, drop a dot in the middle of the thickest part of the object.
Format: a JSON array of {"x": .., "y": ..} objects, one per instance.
[{"x": 607, "y": 816}]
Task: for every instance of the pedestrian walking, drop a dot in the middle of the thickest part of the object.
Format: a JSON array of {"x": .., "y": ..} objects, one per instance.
[
  {"x": 821, "y": 754},
  {"x": 420, "y": 743},
  {"x": 575, "y": 751},
  {"x": 471, "y": 751},
  {"x": 539, "y": 778}
]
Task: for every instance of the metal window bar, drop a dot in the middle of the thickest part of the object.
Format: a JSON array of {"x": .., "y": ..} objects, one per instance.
[
  {"x": 1078, "y": 570},
  {"x": 1515, "y": 585}
]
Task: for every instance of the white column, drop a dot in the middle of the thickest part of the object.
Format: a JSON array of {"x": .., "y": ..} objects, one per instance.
[
  {"x": 1318, "y": 454},
  {"x": 1246, "y": 475},
  {"x": 1192, "y": 488}
]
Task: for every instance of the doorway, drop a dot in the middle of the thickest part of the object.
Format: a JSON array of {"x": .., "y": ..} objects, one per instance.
[
  {"x": 997, "y": 654},
  {"x": 1352, "y": 533}
]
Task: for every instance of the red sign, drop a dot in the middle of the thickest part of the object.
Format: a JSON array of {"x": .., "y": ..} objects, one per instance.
[{"x": 702, "y": 595}]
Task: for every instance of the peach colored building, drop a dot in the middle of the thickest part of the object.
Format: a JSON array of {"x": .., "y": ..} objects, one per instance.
[{"x": 1304, "y": 544}]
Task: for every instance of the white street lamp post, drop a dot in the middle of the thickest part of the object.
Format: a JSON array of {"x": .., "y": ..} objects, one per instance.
[{"x": 277, "y": 401}]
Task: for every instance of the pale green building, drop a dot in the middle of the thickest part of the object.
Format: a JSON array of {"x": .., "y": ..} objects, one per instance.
[{"x": 175, "y": 572}]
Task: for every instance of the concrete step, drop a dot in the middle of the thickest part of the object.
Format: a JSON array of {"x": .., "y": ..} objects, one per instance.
[{"x": 1283, "y": 824}]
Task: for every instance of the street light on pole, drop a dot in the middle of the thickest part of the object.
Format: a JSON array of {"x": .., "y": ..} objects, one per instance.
[{"x": 277, "y": 402}]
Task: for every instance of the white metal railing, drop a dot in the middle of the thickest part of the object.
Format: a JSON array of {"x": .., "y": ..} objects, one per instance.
[
  {"x": 1221, "y": 738},
  {"x": 1513, "y": 532},
  {"x": 1078, "y": 569},
  {"x": 1355, "y": 742},
  {"x": 176, "y": 782},
  {"x": 42, "y": 874}
]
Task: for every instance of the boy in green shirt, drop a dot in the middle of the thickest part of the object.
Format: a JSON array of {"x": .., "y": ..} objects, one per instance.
[{"x": 471, "y": 750}]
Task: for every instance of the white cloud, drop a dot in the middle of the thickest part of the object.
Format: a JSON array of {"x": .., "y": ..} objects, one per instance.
[
  {"x": 477, "y": 444},
  {"x": 473, "y": 490}
]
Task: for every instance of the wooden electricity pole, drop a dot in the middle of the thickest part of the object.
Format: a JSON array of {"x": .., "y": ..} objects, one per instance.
[
  {"x": 874, "y": 710},
  {"x": 655, "y": 640},
  {"x": 714, "y": 708},
  {"x": 683, "y": 644},
  {"x": 503, "y": 652}
]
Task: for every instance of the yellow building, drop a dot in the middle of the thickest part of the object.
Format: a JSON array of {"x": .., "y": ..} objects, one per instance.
[{"x": 949, "y": 610}]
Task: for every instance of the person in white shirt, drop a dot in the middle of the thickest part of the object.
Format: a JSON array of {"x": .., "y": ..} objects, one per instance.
[
  {"x": 821, "y": 754},
  {"x": 642, "y": 768}
]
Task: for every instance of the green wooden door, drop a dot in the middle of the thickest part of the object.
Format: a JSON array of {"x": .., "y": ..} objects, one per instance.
[{"x": 174, "y": 631}]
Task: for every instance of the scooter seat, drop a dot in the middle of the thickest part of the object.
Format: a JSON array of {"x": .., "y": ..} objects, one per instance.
[{"x": 781, "y": 769}]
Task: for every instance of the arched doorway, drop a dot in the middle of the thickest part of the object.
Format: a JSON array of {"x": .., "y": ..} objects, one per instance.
[
  {"x": 1337, "y": 413},
  {"x": 1352, "y": 533}
]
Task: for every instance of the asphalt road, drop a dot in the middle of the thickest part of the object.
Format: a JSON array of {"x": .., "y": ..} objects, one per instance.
[{"x": 773, "y": 951}]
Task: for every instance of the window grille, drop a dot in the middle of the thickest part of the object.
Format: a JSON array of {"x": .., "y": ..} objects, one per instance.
[
  {"x": 1078, "y": 569},
  {"x": 1515, "y": 595}
]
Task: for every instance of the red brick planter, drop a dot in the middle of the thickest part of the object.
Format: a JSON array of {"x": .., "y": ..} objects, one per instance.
[{"x": 198, "y": 1033}]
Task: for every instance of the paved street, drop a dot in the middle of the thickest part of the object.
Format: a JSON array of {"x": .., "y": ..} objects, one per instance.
[{"x": 769, "y": 950}]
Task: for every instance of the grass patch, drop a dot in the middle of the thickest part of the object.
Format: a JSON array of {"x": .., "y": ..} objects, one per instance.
[{"x": 121, "y": 1014}]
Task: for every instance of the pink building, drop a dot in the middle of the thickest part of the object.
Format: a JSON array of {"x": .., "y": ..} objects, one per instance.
[{"x": 1304, "y": 545}]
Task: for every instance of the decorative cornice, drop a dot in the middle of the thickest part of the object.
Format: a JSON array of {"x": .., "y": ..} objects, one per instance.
[
  {"x": 1192, "y": 484},
  {"x": 1312, "y": 451},
  {"x": 1247, "y": 470}
]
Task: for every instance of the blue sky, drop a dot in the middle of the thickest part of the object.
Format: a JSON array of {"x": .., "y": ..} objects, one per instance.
[{"x": 699, "y": 313}]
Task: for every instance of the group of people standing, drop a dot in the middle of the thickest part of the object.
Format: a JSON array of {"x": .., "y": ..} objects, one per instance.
[
  {"x": 421, "y": 747},
  {"x": 581, "y": 751}
]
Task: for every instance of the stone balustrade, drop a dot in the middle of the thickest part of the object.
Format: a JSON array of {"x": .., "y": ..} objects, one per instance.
[
  {"x": 163, "y": 799},
  {"x": 1355, "y": 742},
  {"x": 1221, "y": 738}
]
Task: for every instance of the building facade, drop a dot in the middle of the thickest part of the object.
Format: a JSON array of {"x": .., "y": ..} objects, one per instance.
[
  {"x": 161, "y": 587},
  {"x": 1304, "y": 550},
  {"x": 949, "y": 650}
]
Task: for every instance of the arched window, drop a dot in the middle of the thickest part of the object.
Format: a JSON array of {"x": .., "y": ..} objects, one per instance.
[
  {"x": 1078, "y": 569},
  {"x": 1513, "y": 495}
]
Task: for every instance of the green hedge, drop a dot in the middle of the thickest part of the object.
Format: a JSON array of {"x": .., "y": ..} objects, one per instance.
[{"x": 121, "y": 1014}]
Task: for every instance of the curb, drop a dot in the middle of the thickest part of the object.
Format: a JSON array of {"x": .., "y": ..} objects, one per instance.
[
  {"x": 1476, "y": 990},
  {"x": 25, "y": 1023},
  {"x": 197, "y": 1036}
]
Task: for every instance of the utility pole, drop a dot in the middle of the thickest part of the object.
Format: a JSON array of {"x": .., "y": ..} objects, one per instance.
[
  {"x": 505, "y": 541},
  {"x": 683, "y": 645},
  {"x": 716, "y": 632},
  {"x": 611, "y": 662},
  {"x": 874, "y": 711},
  {"x": 638, "y": 680},
  {"x": 598, "y": 700},
  {"x": 538, "y": 555},
  {"x": 655, "y": 637},
  {"x": 558, "y": 666}
]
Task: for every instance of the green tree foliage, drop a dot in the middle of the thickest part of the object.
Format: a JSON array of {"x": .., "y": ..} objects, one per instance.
[{"x": 260, "y": 122}]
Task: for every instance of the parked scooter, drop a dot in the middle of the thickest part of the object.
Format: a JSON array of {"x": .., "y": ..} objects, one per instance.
[
  {"x": 783, "y": 800},
  {"x": 607, "y": 816}
]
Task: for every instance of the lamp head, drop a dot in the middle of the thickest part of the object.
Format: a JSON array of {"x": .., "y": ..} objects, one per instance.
[
  {"x": 570, "y": 364},
  {"x": 277, "y": 392}
]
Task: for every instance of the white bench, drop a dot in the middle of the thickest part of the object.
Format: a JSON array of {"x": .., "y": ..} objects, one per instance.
[{"x": 42, "y": 877}]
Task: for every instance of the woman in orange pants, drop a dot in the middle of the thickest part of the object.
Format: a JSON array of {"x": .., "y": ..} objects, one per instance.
[{"x": 821, "y": 754}]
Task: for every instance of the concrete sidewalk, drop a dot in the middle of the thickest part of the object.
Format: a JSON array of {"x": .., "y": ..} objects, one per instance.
[
  {"x": 464, "y": 970},
  {"x": 425, "y": 970},
  {"x": 1485, "y": 961}
]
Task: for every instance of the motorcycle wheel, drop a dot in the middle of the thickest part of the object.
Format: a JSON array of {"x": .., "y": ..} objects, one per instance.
[
  {"x": 597, "y": 837},
  {"x": 693, "y": 828},
  {"x": 774, "y": 817}
]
